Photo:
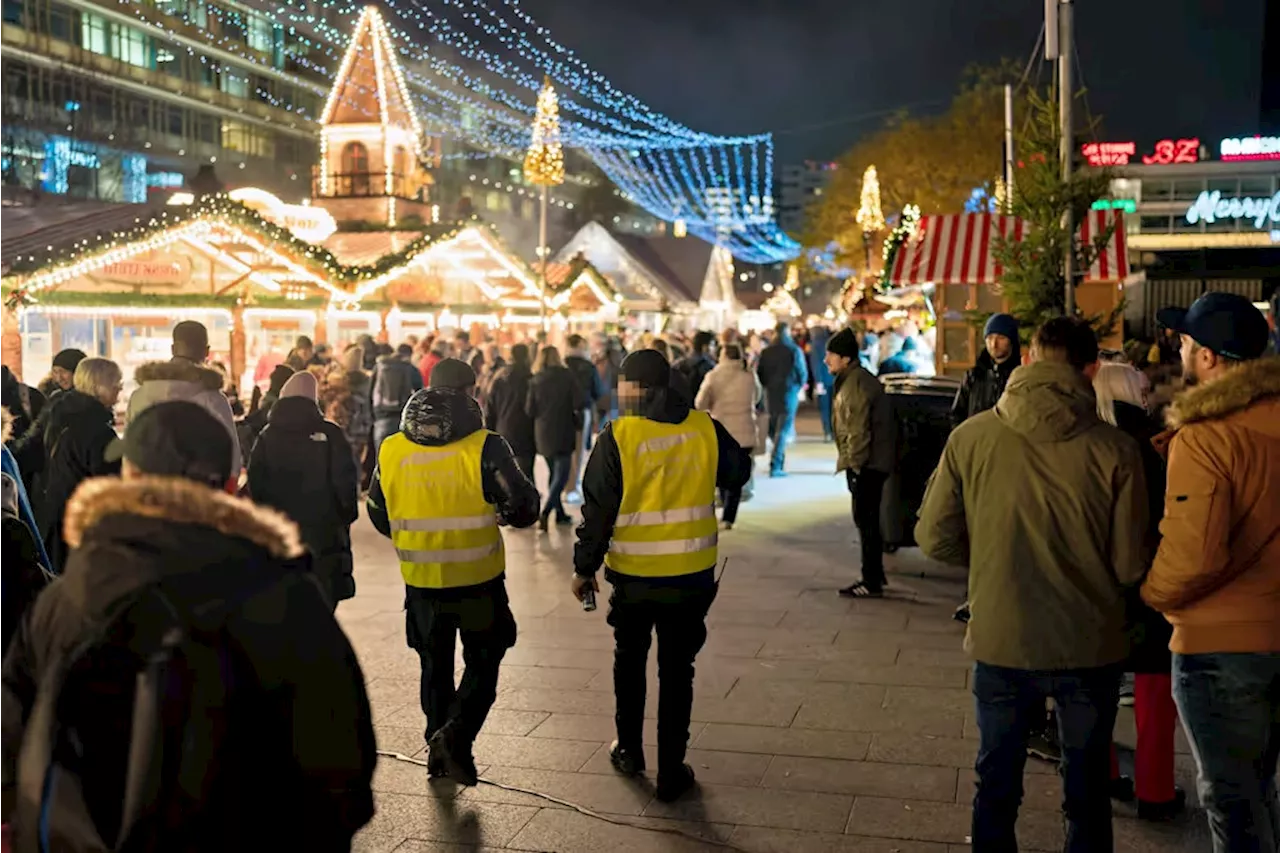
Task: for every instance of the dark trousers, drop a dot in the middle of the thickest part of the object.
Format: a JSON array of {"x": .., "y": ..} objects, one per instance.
[
  {"x": 1230, "y": 704},
  {"x": 731, "y": 498},
  {"x": 434, "y": 619},
  {"x": 824, "y": 412},
  {"x": 1010, "y": 707},
  {"x": 525, "y": 461},
  {"x": 636, "y": 609},
  {"x": 866, "y": 489},
  {"x": 559, "y": 467},
  {"x": 782, "y": 420}
]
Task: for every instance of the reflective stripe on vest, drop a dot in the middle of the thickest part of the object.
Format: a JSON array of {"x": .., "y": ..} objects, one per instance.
[
  {"x": 445, "y": 532},
  {"x": 666, "y": 523}
]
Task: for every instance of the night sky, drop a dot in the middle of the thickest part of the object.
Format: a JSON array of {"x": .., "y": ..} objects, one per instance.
[{"x": 1154, "y": 68}]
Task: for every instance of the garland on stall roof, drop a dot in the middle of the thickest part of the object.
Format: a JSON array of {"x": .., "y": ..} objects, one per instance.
[
  {"x": 130, "y": 299},
  {"x": 907, "y": 224},
  {"x": 223, "y": 209}
]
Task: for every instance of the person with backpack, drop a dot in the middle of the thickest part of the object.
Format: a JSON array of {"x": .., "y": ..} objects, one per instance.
[
  {"x": 26, "y": 565},
  {"x": 443, "y": 486},
  {"x": 183, "y": 685},
  {"x": 22, "y": 402},
  {"x": 302, "y": 465}
]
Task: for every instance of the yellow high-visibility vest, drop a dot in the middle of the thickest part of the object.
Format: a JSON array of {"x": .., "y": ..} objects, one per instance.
[
  {"x": 445, "y": 532},
  {"x": 667, "y": 519}
]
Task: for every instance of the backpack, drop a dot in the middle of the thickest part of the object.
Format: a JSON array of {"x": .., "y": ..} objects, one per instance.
[{"x": 193, "y": 686}]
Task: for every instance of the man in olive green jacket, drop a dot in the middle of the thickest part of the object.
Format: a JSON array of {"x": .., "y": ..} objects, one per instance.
[{"x": 1045, "y": 504}]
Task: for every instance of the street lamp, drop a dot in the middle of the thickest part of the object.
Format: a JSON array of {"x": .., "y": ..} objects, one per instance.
[{"x": 544, "y": 167}]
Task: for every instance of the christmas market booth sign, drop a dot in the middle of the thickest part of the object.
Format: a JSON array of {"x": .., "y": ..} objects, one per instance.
[{"x": 158, "y": 269}]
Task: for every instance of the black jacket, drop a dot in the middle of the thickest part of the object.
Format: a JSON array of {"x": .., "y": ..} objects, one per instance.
[
  {"x": 65, "y": 446},
  {"x": 590, "y": 385},
  {"x": 1149, "y": 631},
  {"x": 439, "y": 416},
  {"x": 602, "y": 485},
  {"x": 555, "y": 404},
  {"x": 983, "y": 384},
  {"x": 302, "y": 465},
  {"x": 394, "y": 382},
  {"x": 298, "y": 775},
  {"x": 694, "y": 368},
  {"x": 783, "y": 373},
  {"x": 505, "y": 411},
  {"x": 23, "y": 402}
]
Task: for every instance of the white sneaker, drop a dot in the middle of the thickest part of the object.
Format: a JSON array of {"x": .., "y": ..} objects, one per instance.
[
  {"x": 574, "y": 497},
  {"x": 726, "y": 525}
]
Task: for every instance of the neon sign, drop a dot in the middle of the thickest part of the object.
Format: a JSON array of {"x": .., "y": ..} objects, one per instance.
[
  {"x": 1168, "y": 151},
  {"x": 1108, "y": 153},
  {"x": 1250, "y": 148},
  {"x": 1128, "y": 205},
  {"x": 1211, "y": 206}
]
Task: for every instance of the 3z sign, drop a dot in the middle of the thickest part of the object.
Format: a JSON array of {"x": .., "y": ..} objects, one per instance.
[{"x": 1173, "y": 151}]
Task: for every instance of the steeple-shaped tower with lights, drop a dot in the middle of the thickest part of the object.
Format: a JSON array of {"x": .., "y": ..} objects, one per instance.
[{"x": 372, "y": 155}]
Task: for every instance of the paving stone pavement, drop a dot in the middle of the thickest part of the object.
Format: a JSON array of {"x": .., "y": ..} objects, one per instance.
[{"x": 819, "y": 724}]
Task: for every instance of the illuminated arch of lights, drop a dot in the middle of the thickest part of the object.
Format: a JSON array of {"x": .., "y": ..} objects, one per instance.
[{"x": 474, "y": 68}]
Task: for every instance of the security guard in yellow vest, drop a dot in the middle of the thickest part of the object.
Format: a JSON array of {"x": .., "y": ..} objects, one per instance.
[
  {"x": 442, "y": 487},
  {"x": 648, "y": 514}
]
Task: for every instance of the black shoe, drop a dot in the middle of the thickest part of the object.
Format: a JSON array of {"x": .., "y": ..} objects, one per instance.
[
  {"x": 628, "y": 762},
  {"x": 962, "y": 613},
  {"x": 673, "y": 786},
  {"x": 1121, "y": 789},
  {"x": 436, "y": 768},
  {"x": 456, "y": 758},
  {"x": 861, "y": 589},
  {"x": 1163, "y": 811},
  {"x": 564, "y": 521},
  {"x": 542, "y": 523},
  {"x": 1044, "y": 746}
]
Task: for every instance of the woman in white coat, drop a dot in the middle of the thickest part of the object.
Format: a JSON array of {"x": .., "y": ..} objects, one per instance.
[{"x": 730, "y": 394}]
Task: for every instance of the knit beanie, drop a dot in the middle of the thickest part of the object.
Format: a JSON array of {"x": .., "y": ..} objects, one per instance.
[
  {"x": 452, "y": 373},
  {"x": 844, "y": 343},
  {"x": 1001, "y": 324},
  {"x": 300, "y": 385}
]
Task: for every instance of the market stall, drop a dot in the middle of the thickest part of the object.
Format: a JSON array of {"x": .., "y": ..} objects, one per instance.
[{"x": 953, "y": 254}]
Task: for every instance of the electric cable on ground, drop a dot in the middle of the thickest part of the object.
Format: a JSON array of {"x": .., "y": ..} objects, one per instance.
[{"x": 582, "y": 810}]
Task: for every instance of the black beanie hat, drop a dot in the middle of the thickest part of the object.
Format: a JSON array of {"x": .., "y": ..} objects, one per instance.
[
  {"x": 452, "y": 373},
  {"x": 844, "y": 342},
  {"x": 648, "y": 368}
]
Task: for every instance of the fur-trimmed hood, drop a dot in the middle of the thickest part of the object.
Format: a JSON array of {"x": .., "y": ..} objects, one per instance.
[
  {"x": 179, "y": 370},
  {"x": 1237, "y": 390},
  {"x": 179, "y": 501}
]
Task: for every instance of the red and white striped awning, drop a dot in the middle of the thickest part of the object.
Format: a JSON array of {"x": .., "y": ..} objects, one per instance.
[{"x": 956, "y": 248}]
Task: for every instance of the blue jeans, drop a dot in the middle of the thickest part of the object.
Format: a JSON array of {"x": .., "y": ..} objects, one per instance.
[
  {"x": 824, "y": 412},
  {"x": 1010, "y": 706},
  {"x": 1230, "y": 705},
  {"x": 382, "y": 428},
  {"x": 781, "y": 424},
  {"x": 559, "y": 467}
]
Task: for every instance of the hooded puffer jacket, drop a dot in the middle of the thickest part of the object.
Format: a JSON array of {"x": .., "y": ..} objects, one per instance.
[{"x": 182, "y": 379}]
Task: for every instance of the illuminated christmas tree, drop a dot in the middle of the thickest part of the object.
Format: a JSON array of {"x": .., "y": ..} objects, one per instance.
[
  {"x": 870, "y": 216},
  {"x": 544, "y": 161}
]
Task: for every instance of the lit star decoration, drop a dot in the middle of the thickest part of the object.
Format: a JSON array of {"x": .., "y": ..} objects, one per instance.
[
  {"x": 870, "y": 217},
  {"x": 906, "y": 227},
  {"x": 544, "y": 161},
  {"x": 657, "y": 163}
]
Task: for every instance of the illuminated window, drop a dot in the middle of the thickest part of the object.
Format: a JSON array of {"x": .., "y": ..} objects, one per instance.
[
  {"x": 93, "y": 33},
  {"x": 259, "y": 37},
  {"x": 355, "y": 169},
  {"x": 131, "y": 46},
  {"x": 234, "y": 84},
  {"x": 247, "y": 139}
]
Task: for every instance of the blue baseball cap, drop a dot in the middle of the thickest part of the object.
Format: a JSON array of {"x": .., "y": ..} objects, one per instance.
[{"x": 1226, "y": 323}]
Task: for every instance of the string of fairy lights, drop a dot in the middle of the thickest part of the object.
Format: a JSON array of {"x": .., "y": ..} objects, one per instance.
[{"x": 474, "y": 69}]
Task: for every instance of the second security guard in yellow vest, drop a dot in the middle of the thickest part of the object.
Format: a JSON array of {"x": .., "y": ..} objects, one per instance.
[
  {"x": 648, "y": 515},
  {"x": 442, "y": 488}
]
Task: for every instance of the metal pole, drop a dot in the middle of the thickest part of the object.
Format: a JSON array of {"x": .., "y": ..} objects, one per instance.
[
  {"x": 542, "y": 252},
  {"x": 1008, "y": 148},
  {"x": 1066, "y": 74}
]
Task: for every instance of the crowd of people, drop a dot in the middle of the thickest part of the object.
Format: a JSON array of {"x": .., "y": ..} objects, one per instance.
[{"x": 148, "y": 699}]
